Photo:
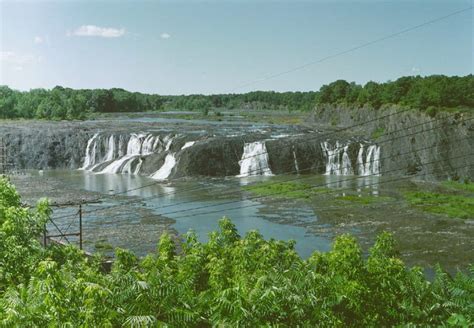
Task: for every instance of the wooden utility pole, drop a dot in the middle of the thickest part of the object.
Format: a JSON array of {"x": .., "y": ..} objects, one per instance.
[{"x": 80, "y": 226}]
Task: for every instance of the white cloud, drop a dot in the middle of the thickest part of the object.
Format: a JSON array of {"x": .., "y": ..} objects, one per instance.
[
  {"x": 165, "y": 35},
  {"x": 415, "y": 69},
  {"x": 18, "y": 68},
  {"x": 38, "y": 40},
  {"x": 17, "y": 59},
  {"x": 92, "y": 30}
]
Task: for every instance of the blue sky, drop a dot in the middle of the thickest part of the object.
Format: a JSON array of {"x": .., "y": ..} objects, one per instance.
[{"x": 183, "y": 47}]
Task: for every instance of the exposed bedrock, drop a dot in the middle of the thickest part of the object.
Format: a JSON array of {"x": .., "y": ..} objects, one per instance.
[
  {"x": 412, "y": 143},
  {"x": 164, "y": 152}
]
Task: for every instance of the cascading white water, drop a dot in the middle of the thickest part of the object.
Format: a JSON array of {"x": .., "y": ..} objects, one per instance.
[
  {"x": 297, "y": 168},
  {"x": 346, "y": 163},
  {"x": 254, "y": 160},
  {"x": 168, "y": 141},
  {"x": 139, "y": 166},
  {"x": 338, "y": 161},
  {"x": 90, "y": 152},
  {"x": 188, "y": 144},
  {"x": 157, "y": 142},
  {"x": 372, "y": 162},
  {"x": 360, "y": 160},
  {"x": 148, "y": 145},
  {"x": 333, "y": 156},
  {"x": 376, "y": 167},
  {"x": 126, "y": 154},
  {"x": 134, "y": 147},
  {"x": 121, "y": 146},
  {"x": 165, "y": 170},
  {"x": 110, "y": 149}
]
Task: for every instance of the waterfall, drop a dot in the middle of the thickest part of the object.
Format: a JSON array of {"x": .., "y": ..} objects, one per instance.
[
  {"x": 156, "y": 142},
  {"x": 360, "y": 160},
  {"x": 148, "y": 145},
  {"x": 376, "y": 167},
  {"x": 139, "y": 166},
  {"x": 254, "y": 160},
  {"x": 121, "y": 147},
  {"x": 188, "y": 144},
  {"x": 168, "y": 141},
  {"x": 110, "y": 149},
  {"x": 134, "y": 147},
  {"x": 297, "y": 169},
  {"x": 371, "y": 164},
  {"x": 334, "y": 157},
  {"x": 89, "y": 159},
  {"x": 126, "y": 154},
  {"x": 346, "y": 163},
  {"x": 338, "y": 161},
  {"x": 165, "y": 170}
]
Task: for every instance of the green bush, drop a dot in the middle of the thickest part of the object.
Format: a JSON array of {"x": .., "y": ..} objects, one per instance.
[{"x": 230, "y": 281}]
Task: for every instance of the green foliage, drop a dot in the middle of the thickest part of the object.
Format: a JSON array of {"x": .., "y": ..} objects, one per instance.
[
  {"x": 63, "y": 103},
  {"x": 287, "y": 189},
  {"x": 378, "y": 133},
  {"x": 431, "y": 93},
  {"x": 452, "y": 205},
  {"x": 230, "y": 281},
  {"x": 465, "y": 186},
  {"x": 103, "y": 245}
]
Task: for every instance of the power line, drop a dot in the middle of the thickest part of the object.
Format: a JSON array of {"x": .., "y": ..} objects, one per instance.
[
  {"x": 315, "y": 186},
  {"x": 389, "y": 36},
  {"x": 200, "y": 188},
  {"x": 300, "y": 170},
  {"x": 274, "y": 194},
  {"x": 291, "y": 143},
  {"x": 294, "y": 179},
  {"x": 323, "y": 185},
  {"x": 332, "y": 56},
  {"x": 329, "y": 57}
]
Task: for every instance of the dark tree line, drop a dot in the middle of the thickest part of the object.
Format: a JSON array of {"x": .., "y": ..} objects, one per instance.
[
  {"x": 437, "y": 91},
  {"x": 425, "y": 93}
]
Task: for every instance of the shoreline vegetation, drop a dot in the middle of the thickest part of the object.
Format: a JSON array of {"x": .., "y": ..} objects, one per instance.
[
  {"x": 430, "y": 94},
  {"x": 229, "y": 281},
  {"x": 452, "y": 199}
]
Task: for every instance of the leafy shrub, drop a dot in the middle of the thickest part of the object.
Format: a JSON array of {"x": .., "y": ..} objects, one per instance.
[{"x": 228, "y": 281}]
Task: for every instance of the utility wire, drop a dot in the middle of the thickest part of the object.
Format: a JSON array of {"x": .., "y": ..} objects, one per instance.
[
  {"x": 338, "y": 190},
  {"x": 294, "y": 171},
  {"x": 292, "y": 143},
  {"x": 333, "y": 56},
  {"x": 316, "y": 186},
  {"x": 390, "y": 36},
  {"x": 297, "y": 178}
]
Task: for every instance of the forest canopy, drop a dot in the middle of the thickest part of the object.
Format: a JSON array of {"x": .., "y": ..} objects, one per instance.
[
  {"x": 229, "y": 281},
  {"x": 424, "y": 93}
]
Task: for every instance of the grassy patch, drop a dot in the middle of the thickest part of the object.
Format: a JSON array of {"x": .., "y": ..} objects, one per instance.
[
  {"x": 378, "y": 133},
  {"x": 103, "y": 245},
  {"x": 455, "y": 206},
  {"x": 466, "y": 186},
  {"x": 285, "y": 190}
]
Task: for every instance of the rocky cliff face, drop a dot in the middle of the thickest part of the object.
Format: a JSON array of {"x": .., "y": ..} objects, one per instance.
[
  {"x": 165, "y": 152},
  {"x": 433, "y": 148}
]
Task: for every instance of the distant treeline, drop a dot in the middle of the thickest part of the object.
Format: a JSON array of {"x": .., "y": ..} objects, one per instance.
[{"x": 425, "y": 93}]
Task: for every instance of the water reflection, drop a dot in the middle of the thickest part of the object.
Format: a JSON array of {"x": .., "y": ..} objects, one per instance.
[
  {"x": 362, "y": 185},
  {"x": 195, "y": 204}
]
